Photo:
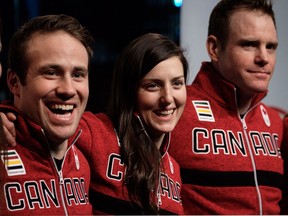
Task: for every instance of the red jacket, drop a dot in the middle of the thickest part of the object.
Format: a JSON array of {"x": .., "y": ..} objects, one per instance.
[
  {"x": 228, "y": 165},
  {"x": 284, "y": 152},
  {"x": 108, "y": 193},
  {"x": 32, "y": 184}
]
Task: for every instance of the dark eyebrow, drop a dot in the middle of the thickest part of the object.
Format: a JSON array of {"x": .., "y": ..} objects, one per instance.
[
  {"x": 59, "y": 67},
  {"x": 256, "y": 42},
  {"x": 157, "y": 80},
  {"x": 250, "y": 41},
  {"x": 275, "y": 44},
  {"x": 81, "y": 69}
]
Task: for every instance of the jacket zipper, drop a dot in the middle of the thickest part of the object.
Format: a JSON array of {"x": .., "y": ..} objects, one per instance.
[
  {"x": 61, "y": 182},
  {"x": 60, "y": 173},
  {"x": 253, "y": 164},
  {"x": 242, "y": 119}
]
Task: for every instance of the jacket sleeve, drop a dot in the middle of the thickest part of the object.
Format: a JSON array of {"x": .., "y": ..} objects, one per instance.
[{"x": 284, "y": 153}]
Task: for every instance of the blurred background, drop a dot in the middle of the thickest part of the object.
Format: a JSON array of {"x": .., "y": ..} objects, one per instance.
[
  {"x": 113, "y": 24},
  {"x": 194, "y": 18}
]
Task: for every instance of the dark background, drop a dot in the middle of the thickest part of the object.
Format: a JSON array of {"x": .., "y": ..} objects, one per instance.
[{"x": 113, "y": 24}]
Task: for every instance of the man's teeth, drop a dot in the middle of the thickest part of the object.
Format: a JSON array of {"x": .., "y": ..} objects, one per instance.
[{"x": 62, "y": 107}]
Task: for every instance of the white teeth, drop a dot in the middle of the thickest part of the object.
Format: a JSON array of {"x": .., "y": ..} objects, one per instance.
[
  {"x": 61, "y": 107},
  {"x": 166, "y": 112},
  {"x": 64, "y": 115}
]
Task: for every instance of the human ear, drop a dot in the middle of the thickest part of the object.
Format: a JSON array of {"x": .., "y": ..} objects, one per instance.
[
  {"x": 212, "y": 46},
  {"x": 13, "y": 82}
]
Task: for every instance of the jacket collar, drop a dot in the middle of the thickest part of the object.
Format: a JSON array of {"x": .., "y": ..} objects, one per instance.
[
  {"x": 165, "y": 145},
  {"x": 30, "y": 134},
  {"x": 223, "y": 91}
]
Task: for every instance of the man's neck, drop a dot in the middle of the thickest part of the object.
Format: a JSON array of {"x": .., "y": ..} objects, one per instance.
[
  {"x": 244, "y": 103},
  {"x": 58, "y": 151}
]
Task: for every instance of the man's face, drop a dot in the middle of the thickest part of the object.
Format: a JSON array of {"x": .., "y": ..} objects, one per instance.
[
  {"x": 56, "y": 90},
  {"x": 249, "y": 57}
]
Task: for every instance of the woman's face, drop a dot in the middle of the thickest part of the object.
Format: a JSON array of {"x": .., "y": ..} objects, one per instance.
[{"x": 162, "y": 96}]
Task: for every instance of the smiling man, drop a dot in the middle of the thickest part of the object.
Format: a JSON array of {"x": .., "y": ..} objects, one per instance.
[
  {"x": 48, "y": 77},
  {"x": 228, "y": 141}
]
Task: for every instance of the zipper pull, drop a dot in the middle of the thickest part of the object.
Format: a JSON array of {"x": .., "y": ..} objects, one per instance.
[
  {"x": 76, "y": 158},
  {"x": 61, "y": 177},
  {"x": 244, "y": 124}
]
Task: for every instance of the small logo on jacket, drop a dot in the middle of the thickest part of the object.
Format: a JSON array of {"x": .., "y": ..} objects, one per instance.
[
  {"x": 265, "y": 116},
  {"x": 13, "y": 163},
  {"x": 203, "y": 110}
]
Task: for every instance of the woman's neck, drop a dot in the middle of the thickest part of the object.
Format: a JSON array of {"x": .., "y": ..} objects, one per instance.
[{"x": 158, "y": 140}]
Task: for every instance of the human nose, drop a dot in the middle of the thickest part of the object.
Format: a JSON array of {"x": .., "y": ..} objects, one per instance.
[
  {"x": 66, "y": 87},
  {"x": 166, "y": 95},
  {"x": 262, "y": 56}
]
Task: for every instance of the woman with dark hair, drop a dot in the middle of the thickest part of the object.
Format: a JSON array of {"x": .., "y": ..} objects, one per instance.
[
  {"x": 147, "y": 101},
  {"x": 132, "y": 172}
]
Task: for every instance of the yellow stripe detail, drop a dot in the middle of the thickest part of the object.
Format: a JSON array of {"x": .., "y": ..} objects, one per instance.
[
  {"x": 204, "y": 110},
  {"x": 12, "y": 162}
]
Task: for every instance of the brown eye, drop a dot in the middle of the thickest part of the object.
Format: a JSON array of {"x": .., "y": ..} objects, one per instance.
[
  {"x": 178, "y": 83},
  {"x": 152, "y": 86},
  {"x": 50, "y": 73},
  {"x": 78, "y": 74},
  {"x": 271, "y": 46}
]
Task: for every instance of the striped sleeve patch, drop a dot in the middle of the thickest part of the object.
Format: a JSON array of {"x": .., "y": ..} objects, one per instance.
[
  {"x": 13, "y": 163},
  {"x": 203, "y": 110}
]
